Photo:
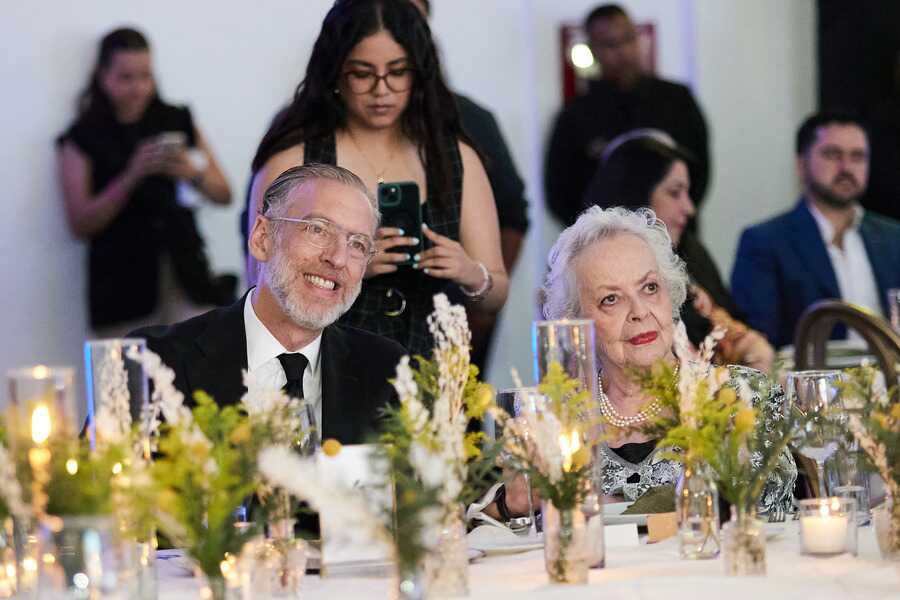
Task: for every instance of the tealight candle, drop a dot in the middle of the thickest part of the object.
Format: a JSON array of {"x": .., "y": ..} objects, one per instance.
[{"x": 825, "y": 525}]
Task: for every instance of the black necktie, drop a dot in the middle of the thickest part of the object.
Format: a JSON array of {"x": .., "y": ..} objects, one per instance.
[{"x": 294, "y": 365}]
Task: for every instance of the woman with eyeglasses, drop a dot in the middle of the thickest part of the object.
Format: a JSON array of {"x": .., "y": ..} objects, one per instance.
[{"x": 374, "y": 101}]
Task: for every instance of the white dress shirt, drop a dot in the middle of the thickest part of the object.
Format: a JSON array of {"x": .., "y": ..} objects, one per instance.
[
  {"x": 262, "y": 360},
  {"x": 855, "y": 278}
]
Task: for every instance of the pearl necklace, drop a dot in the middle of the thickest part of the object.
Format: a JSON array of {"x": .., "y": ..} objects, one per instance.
[{"x": 612, "y": 415}]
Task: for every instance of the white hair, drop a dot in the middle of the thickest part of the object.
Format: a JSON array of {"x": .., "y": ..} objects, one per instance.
[{"x": 561, "y": 299}]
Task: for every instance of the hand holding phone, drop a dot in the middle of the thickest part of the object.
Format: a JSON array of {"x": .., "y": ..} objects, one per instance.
[{"x": 401, "y": 215}]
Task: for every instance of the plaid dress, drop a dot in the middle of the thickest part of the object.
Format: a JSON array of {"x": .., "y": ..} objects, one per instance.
[{"x": 383, "y": 295}]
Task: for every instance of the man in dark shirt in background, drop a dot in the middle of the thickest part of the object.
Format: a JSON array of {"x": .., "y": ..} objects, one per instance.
[{"x": 624, "y": 98}]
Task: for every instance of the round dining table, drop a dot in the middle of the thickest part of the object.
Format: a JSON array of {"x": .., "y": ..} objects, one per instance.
[{"x": 642, "y": 572}]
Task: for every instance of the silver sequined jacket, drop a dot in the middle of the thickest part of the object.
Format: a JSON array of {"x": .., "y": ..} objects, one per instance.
[{"x": 654, "y": 470}]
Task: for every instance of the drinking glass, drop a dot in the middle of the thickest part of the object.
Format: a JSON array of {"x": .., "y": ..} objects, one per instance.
[
  {"x": 816, "y": 394},
  {"x": 116, "y": 384},
  {"x": 845, "y": 478},
  {"x": 516, "y": 402},
  {"x": 570, "y": 342},
  {"x": 893, "y": 302}
]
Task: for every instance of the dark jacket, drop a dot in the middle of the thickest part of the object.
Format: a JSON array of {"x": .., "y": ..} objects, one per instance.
[
  {"x": 209, "y": 353},
  {"x": 782, "y": 267}
]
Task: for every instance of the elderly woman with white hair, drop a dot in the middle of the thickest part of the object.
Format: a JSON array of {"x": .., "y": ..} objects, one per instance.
[{"x": 617, "y": 268}]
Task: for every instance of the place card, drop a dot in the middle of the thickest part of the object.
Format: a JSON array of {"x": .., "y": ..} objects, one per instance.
[
  {"x": 661, "y": 526},
  {"x": 352, "y": 466}
]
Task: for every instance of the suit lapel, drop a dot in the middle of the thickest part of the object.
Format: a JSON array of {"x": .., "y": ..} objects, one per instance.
[
  {"x": 341, "y": 390},
  {"x": 875, "y": 245},
  {"x": 808, "y": 243},
  {"x": 222, "y": 356}
]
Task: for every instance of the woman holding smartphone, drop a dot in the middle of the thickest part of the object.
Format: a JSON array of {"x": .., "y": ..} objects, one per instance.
[
  {"x": 374, "y": 101},
  {"x": 119, "y": 163}
]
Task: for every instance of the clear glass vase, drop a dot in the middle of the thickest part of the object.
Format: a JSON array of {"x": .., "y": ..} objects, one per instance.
[
  {"x": 447, "y": 566},
  {"x": 137, "y": 567},
  {"x": 887, "y": 528},
  {"x": 744, "y": 544},
  {"x": 566, "y": 552},
  {"x": 697, "y": 507},
  {"x": 282, "y": 561},
  {"x": 81, "y": 560}
]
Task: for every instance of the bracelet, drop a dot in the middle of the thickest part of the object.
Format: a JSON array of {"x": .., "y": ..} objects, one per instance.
[{"x": 488, "y": 283}]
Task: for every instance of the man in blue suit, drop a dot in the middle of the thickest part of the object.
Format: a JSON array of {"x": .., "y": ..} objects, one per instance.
[{"x": 827, "y": 246}]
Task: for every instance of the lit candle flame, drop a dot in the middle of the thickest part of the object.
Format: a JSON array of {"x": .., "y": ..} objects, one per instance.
[
  {"x": 72, "y": 466},
  {"x": 569, "y": 444},
  {"x": 40, "y": 424}
]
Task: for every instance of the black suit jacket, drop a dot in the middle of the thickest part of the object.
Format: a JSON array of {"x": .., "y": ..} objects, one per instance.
[{"x": 209, "y": 353}]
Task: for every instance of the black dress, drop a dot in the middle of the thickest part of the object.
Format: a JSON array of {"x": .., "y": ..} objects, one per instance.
[
  {"x": 124, "y": 259},
  {"x": 384, "y": 295}
]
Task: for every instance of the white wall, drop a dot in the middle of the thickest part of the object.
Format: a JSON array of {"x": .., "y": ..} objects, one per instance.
[
  {"x": 751, "y": 64},
  {"x": 756, "y": 79}
]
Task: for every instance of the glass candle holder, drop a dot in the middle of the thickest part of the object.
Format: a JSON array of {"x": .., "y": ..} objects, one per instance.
[
  {"x": 116, "y": 387},
  {"x": 828, "y": 526}
]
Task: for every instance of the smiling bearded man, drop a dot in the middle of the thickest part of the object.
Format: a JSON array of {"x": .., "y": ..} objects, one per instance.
[{"x": 313, "y": 239}]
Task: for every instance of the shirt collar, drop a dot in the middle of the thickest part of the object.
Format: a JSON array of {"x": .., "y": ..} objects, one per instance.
[
  {"x": 262, "y": 346},
  {"x": 826, "y": 229}
]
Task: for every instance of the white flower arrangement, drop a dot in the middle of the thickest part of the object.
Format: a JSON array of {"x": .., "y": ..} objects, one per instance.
[
  {"x": 437, "y": 452},
  {"x": 695, "y": 367},
  {"x": 274, "y": 409}
]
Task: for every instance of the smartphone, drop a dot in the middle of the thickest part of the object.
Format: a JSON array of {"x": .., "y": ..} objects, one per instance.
[
  {"x": 171, "y": 141},
  {"x": 400, "y": 207}
]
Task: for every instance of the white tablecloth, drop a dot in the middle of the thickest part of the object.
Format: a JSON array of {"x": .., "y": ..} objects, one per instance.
[{"x": 640, "y": 573}]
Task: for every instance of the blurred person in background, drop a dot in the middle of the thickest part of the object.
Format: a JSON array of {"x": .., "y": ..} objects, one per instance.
[
  {"x": 120, "y": 165},
  {"x": 827, "y": 246},
  {"x": 624, "y": 98},
  {"x": 645, "y": 168}
]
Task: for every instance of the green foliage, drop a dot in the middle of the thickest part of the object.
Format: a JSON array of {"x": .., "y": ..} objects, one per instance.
[
  {"x": 412, "y": 497},
  {"x": 567, "y": 493},
  {"x": 203, "y": 481},
  {"x": 89, "y": 490},
  {"x": 878, "y": 412},
  {"x": 569, "y": 401},
  {"x": 572, "y": 406},
  {"x": 721, "y": 430}
]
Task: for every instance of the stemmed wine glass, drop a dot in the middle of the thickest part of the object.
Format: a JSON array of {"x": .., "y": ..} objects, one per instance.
[
  {"x": 816, "y": 394},
  {"x": 516, "y": 402}
]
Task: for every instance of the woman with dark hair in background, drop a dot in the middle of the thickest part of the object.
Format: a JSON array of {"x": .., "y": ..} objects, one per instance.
[
  {"x": 645, "y": 168},
  {"x": 374, "y": 101},
  {"x": 119, "y": 165}
]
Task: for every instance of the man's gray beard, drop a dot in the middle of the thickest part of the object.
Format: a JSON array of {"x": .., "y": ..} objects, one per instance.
[
  {"x": 825, "y": 195},
  {"x": 282, "y": 279}
]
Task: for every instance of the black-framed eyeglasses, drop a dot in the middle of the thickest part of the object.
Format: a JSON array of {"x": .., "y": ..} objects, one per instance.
[
  {"x": 323, "y": 234},
  {"x": 364, "y": 82}
]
